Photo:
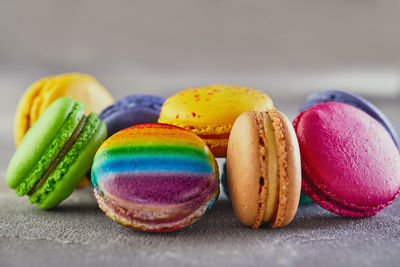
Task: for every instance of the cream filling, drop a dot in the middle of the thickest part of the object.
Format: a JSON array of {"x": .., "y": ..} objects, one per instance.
[
  {"x": 273, "y": 175},
  {"x": 60, "y": 156}
]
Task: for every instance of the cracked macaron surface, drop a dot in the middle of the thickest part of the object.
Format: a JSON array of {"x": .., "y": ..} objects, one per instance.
[
  {"x": 351, "y": 166},
  {"x": 155, "y": 177},
  {"x": 210, "y": 111}
]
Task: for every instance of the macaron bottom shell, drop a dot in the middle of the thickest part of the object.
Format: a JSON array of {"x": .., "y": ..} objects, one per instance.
[
  {"x": 333, "y": 205},
  {"x": 147, "y": 223}
]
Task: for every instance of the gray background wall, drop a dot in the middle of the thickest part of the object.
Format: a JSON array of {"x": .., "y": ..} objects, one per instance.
[{"x": 282, "y": 46}]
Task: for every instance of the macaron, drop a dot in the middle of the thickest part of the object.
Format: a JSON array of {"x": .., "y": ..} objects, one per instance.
[
  {"x": 131, "y": 110},
  {"x": 56, "y": 153},
  {"x": 211, "y": 111},
  {"x": 155, "y": 177},
  {"x": 263, "y": 169},
  {"x": 353, "y": 100},
  {"x": 36, "y": 99},
  {"x": 351, "y": 166}
]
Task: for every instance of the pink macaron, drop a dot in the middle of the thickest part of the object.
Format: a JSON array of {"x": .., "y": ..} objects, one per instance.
[{"x": 351, "y": 166}]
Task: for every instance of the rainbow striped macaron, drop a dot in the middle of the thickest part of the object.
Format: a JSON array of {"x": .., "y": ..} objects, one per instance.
[{"x": 155, "y": 177}]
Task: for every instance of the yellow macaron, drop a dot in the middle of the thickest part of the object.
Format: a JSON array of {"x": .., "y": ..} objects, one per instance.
[
  {"x": 211, "y": 111},
  {"x": 42, "y": 93}
]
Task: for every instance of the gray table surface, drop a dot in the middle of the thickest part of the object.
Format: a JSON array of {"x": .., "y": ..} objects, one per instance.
[{"x": 77, "y": 233}]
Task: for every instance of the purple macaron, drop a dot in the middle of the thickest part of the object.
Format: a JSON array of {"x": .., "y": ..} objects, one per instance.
[{"x": 131, "y": 110}]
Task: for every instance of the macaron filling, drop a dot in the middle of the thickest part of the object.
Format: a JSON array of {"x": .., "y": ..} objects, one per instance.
[
  {"x": 56, "y": 146},
  {"x": 273, "y": 176},
  {"x": 88, "y": 130},
  {"x": 59, "y": 157},
  {"x": 269, "y": 179}
]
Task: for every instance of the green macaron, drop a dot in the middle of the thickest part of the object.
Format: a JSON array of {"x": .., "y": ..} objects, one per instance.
[{"x": 56, "y": 153}]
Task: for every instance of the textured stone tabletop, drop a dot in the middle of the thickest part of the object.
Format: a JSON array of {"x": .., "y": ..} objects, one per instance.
[{"x": 77, "y": 233}]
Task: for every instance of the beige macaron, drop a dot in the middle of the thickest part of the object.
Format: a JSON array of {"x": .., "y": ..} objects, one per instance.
[{"x": 264, "y": 171}]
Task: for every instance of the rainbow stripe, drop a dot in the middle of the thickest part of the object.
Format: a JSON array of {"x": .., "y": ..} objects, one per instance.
[{"x": 155, "y": 172}]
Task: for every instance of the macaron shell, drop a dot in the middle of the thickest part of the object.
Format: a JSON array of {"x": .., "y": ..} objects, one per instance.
[
  {"x": 131, "y": 110},
  {"x": 241, "y": 170},
  {"x": 211, "y": 111},
  {"x": 351, "y": 164},
  {"x": 356, "y": 101},
  {"x": 42, "y": 93},
  {"x": 289, "y": 190},
  {"x": 77, "y": 170},
  {"x": 30, "y": 150}
]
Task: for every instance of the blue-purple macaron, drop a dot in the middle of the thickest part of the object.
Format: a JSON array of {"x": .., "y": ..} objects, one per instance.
[
  {"x": 356, "y": 101},
  {"x": 131, "y": 110}
]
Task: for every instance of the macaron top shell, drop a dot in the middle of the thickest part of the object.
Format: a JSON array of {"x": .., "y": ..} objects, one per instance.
[
  {"x": 353, "y": 100},
  {"x": 30, "y": 151},
  {"x": 244, "y": 188},
  {"x": 351, "y": 164},
  {"x": 131, "y": 110},
  {"x": 36, "y": 99},
  {"x": 212, "y": 109}
]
